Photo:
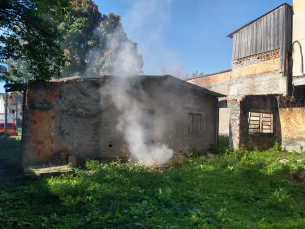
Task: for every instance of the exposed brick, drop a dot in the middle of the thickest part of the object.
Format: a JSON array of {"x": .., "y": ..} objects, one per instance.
[{"x": 292, "y": 122}]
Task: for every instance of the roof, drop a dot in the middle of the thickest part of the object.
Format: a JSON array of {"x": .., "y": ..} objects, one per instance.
[
  {"x": 231, "y": 34},
  {"x": 211, "y": 74},
  {"x": 176, "y": 80}
]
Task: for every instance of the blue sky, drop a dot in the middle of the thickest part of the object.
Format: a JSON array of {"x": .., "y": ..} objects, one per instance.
[{"x": 189, "y": 32}]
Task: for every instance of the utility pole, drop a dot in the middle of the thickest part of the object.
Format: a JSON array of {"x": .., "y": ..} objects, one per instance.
[
  {"x": 5, "y": 122},
  {"x": 17, "y": 110}
]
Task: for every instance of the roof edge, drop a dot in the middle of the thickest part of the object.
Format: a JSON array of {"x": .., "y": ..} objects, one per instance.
[
  {"x": 210, "y": 74},
  {"x": 231, "y": 34}
]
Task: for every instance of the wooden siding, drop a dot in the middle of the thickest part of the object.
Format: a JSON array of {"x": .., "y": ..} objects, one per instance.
[{"x": 272, "y": 31}]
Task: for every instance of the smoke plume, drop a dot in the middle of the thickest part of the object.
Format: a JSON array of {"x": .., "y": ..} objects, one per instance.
[{"x": 127, "y": 95}]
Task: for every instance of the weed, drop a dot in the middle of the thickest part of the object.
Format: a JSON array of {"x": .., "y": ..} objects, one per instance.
[{"x": 240, "y": 189}]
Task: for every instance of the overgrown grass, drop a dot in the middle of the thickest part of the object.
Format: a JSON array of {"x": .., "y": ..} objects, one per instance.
[{"x": 241, "y": 189}]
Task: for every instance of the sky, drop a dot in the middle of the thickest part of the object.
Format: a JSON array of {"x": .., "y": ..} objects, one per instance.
[{"x": 188, "y": 32}]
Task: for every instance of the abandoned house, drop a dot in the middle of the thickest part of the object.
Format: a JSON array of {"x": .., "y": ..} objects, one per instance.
[
  {"x": 83, "y": 117},
  {"x": 260, "y": 100},
  {"x": 265, "y": 88}
]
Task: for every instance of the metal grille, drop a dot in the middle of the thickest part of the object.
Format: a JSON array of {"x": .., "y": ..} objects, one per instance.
[
  {"x": 260, "y": 123},
  {"x": 292, "y": 101}
]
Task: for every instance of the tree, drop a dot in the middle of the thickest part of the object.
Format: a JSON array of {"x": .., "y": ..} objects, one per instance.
[
  {"x": 197, "y": 74},
  {"x": 30, "y": 35},
  {"x": 96, "y": 44},
  {"x": 178, "y": 72}
]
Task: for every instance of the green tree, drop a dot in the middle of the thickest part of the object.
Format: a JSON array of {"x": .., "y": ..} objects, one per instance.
[
  {"x": 197, "y": 74},
  {"x": 29, "y": 35},
  {"x": 96, "y": 44}
]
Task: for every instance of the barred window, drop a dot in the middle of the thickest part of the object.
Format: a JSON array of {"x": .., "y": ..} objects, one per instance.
[
  {"x": 260, "y": 123},
  {"x": 194, "y": 123}
]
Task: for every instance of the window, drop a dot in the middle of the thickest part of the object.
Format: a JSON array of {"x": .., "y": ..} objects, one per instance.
[
  {"x": 260, "y": 123},
  {"x": 194, "y": 123},
  {"x": 147, "y": 124},
  {"x": 8, "y": 125}
]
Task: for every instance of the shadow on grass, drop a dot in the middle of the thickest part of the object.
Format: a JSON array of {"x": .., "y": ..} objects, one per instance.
[{"x": 11, "y": 171}]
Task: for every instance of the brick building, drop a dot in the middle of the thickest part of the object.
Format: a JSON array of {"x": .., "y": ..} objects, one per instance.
[
  {"x": 73, "y": 116},
  {"x": 265, "y": 88}
]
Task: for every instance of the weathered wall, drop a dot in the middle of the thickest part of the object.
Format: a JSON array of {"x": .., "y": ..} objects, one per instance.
[
  {"x": 262, "y": 63},
  {"x": 224, "y": 121},
  {"x": 239, "y": 126},
  {"x": 72, "y": 116},
  {"x": 298, "y": 34},
  {"x": 291, "y": 131},
  {"x": 261, "y": 84},
  {"x": 253, "y": 75},
  {"x": 212, "y": 78},
  {"x": 234, "y": 123},
  {"x": 260, "y": 104},
  {"x": 269, "y": 32}
]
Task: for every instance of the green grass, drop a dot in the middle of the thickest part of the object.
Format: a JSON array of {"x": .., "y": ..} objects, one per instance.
[
  {"x": 241, "y": 189},
  {"x": 10, "y": 162}
]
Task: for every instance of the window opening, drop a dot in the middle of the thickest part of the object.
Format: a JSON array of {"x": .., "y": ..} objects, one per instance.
[
  {"x": 147, "y": 123},
  {"x": 194, "y": 123},
  {"x": 260, "y": 123}
]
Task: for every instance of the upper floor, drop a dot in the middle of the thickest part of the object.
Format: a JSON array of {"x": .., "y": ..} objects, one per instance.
[{"x": 266, "y": 55}]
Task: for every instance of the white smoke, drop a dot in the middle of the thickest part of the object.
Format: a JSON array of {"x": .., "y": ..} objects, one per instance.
[
  {"x": 127, "y": 95},
  {"x": 127, "y": 99},
  {"x": 147, "y": 23}
]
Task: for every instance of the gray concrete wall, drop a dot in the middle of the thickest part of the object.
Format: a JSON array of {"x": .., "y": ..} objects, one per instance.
[
  {"x": 292, "y": 144},
  {"x": 224, "y": 119},
  {"x": 86, "y": 122},
  {"x": 261, "y": 84}
]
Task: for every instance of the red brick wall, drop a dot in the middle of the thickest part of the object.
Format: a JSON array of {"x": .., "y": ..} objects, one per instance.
[
  {"x": 292, "y": 123},
  {"x": 220, "y": 77},
  {"x": 40, "y": 143},
  {"x": 262, "y": 63}
]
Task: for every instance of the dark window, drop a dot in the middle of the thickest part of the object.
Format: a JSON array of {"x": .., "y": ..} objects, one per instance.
[
  {"x": 260, "y": 123},
  {"x": 194, "y": 123},
  {"x": 147, "y": 124}
]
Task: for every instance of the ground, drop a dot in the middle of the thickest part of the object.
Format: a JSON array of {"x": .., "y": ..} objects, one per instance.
[
  {"x": 10, "y": 172},
  {"x": 222, "y": 189}
]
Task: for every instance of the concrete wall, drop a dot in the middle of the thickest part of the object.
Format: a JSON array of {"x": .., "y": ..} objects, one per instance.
[
  {"x": 224, "y": 121},
  {"x": 72, "y": 116},
  {"x": 2, "y": 102},
  {"x": 239, "y": 126},
  {"x": 253, "y": 75},
  {"x": 260, "y": 104},
  {"x": 298, "y": 34},
  {"x": 292, "y": 128},
  {"x": 261, "y": 84}
]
